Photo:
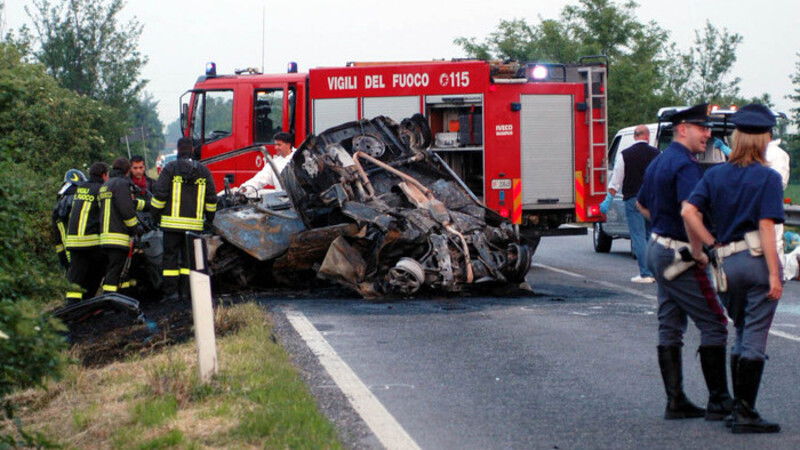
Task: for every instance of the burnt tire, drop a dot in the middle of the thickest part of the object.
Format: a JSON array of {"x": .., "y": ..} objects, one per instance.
[
  {"x": 519, "y": 263},
  {"x": 600, "y": 240}
]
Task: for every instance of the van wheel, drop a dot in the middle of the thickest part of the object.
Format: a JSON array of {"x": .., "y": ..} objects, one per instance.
[{"x": 601, "y": 241}]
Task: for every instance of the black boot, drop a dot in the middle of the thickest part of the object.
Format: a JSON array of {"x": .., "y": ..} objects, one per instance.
[
  {"x": 734, "y": 368},
  {"x": 720, "y": 403},
  {"x": 745, "y": 417},
  {"x": 678, "y": 406}
]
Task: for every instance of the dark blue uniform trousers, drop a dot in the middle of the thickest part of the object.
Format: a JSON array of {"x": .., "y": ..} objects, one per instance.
[
  {"x": 747, "y": 303},
  {"x": 690, "y": 294}
]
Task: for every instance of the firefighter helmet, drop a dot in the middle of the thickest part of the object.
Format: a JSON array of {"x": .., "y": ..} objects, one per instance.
[{"x": 74, "y": 176}]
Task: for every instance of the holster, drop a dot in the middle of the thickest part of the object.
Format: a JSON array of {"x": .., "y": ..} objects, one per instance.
[
  {"x": 720, "y": 279},
  {"x": 681, "y": 262}
]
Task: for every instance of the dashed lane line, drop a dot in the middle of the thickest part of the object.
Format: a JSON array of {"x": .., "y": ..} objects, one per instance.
[
  {"x": 600, "y": 282},
  {"x": 785, "y": 335},
  {"x": 632, "y": 291},
  {"x": 386, "y": 428}
]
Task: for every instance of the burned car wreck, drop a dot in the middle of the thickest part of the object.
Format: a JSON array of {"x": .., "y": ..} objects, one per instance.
[{"x": 367, "y": 206}]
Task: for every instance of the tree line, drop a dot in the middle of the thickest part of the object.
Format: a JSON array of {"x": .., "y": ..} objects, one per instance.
[{"x": 647, "y": 70}]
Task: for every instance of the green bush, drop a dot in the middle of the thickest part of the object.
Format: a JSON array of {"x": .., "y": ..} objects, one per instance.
[
  {"x": 30, "y": 347},
  {"x": 44, "y": 130}
]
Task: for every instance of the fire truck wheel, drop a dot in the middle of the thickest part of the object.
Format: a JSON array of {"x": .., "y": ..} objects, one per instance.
[{"x": 601, "y": 241}]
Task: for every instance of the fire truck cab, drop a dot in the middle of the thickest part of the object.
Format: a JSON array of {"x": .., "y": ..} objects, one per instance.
[{"x": 529, "y": 140}]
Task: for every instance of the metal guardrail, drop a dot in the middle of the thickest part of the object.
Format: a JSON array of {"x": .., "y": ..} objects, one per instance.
[{"x": 792, "y": 213}]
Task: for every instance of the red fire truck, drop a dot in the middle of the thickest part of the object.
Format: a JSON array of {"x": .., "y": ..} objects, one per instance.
[{"x": 528, "y": 139}]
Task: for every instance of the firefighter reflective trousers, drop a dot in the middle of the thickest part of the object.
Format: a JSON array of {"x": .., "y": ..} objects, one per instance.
[
  {"x": 116, "y": 262},
  {"x": 87, "y": 270},
  {"x": 174, "y": 263}
]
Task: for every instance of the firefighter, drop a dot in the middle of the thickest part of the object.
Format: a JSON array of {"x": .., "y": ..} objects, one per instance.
[
  {"x": 744, "y": 200},
  {"x": 61, "y": 212},
  {"x": 668, "y": 181},
  {"x": 119, "y": 222},
  {"x": 184, "y": 198},
  {"x": 83, "y": 235}
]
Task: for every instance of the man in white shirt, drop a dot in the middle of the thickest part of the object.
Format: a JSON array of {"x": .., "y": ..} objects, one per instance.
[
  {"x": 629, "y": 167},
  {"x": 266, "y": 176}
]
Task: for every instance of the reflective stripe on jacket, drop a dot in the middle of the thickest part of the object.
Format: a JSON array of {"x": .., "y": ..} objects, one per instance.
[
  {"x": 184, "y": 193},
  {"x": 83, "y": 227},
  {"x": 117, "y": 212}
]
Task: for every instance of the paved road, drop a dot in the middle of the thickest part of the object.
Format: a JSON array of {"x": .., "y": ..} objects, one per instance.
[{"x": 571, "y": 366}]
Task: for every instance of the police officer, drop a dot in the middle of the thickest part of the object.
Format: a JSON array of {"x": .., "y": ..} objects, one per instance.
[
  {"x": 744, "y": 200},
  {"x": 668, "y": 181},
  {"x": 118, "y": 222},
  {"x": 61, "y": 212},
  {"x": 183, "y": 197},
  {"x": 83, "y": 235}
]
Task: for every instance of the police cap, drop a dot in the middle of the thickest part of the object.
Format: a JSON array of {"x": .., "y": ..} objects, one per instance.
[
  {"x": 754, "y": 119},
  {"x": 697, "y": 114}
]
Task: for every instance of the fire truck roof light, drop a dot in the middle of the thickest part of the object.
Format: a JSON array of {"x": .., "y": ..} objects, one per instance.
[
  {"x": 292, "y": 67},
  {"x": 539, "y": 72},
  {"x": 211, "y": 69}
]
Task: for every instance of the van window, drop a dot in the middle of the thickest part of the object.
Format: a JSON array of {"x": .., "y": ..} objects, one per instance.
[{"x": 612, "y": 153}]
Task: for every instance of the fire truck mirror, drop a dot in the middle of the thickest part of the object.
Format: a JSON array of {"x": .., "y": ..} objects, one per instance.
[{"x": 184, "y": 115}]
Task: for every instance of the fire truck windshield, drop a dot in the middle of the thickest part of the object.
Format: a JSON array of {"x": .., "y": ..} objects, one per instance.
[{"x": 212, "y": 115}]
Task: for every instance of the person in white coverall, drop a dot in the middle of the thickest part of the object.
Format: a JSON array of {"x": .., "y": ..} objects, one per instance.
[
  {"x": 267, "y": 176},
  {"x": 778, "y": 160}
]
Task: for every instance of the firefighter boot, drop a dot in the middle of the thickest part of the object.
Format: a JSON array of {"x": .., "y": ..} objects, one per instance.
[
  {"x": 734, "y": 365},
  {"x": 678, "y": 406},
  {"x": 745, "y": 417},
  {"x": 712, "y": 360}
]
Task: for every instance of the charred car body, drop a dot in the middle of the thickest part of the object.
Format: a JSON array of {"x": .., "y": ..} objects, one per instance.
[{"x": 369, "y": 207}]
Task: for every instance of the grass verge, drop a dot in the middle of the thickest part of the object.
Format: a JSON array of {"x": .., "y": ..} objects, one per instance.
[{"x": 257, "y": 399}]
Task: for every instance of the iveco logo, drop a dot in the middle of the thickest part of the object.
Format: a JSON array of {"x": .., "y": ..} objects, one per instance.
[{"x": 504, "y": 130}]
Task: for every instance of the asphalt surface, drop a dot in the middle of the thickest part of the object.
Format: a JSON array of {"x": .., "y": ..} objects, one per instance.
[{"x": 571, "y": 365}]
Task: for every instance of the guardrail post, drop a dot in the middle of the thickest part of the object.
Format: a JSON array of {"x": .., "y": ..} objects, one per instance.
[{"x": 202, "y": 308}]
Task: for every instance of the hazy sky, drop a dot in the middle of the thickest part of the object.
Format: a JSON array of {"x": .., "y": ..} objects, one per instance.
[{"x": 181, "y": 36}]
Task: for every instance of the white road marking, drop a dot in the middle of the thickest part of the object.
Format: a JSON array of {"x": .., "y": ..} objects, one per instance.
[
  {"x": 632, "y": 291},
  {"x": 556, "y": 269},
  {"x": 380, "y": 421},
  {"x": 601, "y": 282},
  {"x": 784, "y": 335}
]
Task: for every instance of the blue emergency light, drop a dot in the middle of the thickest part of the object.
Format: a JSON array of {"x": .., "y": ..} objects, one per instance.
[
  {"x": 292, "y": 67},
  {"x": 211, "y": 69}
]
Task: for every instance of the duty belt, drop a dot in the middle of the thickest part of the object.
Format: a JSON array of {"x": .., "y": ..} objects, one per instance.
[
  {"x": 733, "y": 247},
  {"x": 668, "y": 242},
  {"x": 682, "y": 260},
  {"x": 751, "y": 242}
]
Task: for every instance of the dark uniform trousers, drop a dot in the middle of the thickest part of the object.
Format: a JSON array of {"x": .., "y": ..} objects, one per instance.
[
  {"x": 175, "y": 264},
  {"x": 87, "y": 269},
  {"x": 116, "y": 262},
  {"x": 747, "y": 303},
  {"x": 689, "y": 294}
]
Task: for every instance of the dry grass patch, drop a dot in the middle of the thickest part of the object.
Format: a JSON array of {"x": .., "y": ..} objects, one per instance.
[{"x": 157, "y": 401}]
